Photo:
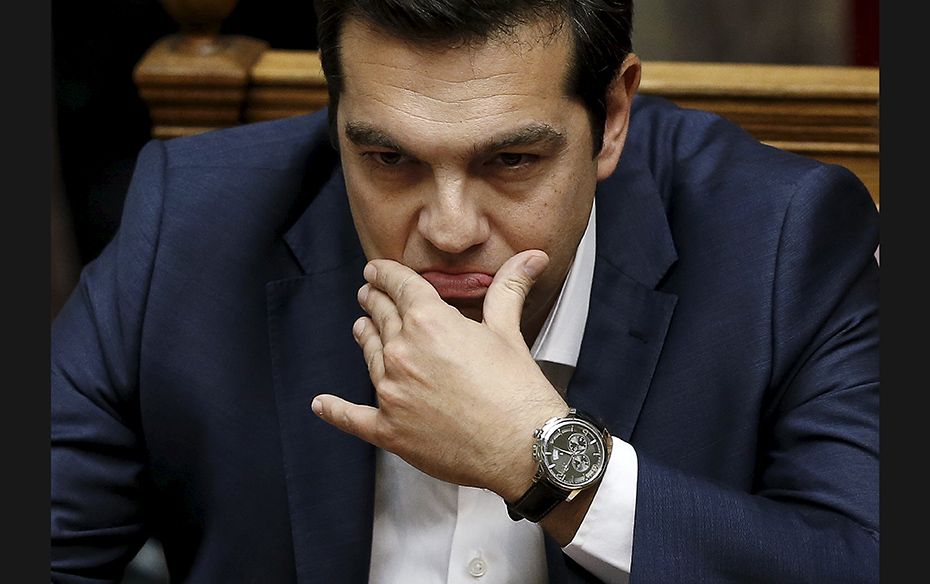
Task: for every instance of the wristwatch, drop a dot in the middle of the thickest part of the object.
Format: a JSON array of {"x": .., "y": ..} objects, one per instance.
[{"x": 572, "y": 454}]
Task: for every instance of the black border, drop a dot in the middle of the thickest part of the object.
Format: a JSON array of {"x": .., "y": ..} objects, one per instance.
[
  {"x": 27, "y": 107},
  {"x": 904, "y": 152}
]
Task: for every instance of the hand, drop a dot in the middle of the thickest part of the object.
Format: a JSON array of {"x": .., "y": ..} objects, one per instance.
[{"x": 452, "y": 393}]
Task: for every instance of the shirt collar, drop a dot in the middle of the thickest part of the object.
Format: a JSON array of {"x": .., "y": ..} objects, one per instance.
[{"x": 559, "y": 340}]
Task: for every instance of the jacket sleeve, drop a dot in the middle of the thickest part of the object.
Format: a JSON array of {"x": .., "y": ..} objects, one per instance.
[
  {"x": 97, "y": 451},
  {"x": 812, "y": 514}
]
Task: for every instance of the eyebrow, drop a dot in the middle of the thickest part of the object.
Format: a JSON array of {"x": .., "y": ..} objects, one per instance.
[
  {"x": 365, "y": 134},
  {"x": 531, "y": 135}
]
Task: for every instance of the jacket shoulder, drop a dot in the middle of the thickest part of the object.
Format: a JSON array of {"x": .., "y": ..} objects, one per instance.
[
  {"x": 693, "y": 152},
  {"x": 276, "y": 144}
]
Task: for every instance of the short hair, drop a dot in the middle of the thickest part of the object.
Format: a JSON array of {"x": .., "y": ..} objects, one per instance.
[{"x": 601, "y": 34}]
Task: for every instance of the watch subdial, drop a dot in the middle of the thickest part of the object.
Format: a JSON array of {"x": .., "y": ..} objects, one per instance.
[
  {"x": 577, "y": 442},
  {"x": 581, "y": 462}
]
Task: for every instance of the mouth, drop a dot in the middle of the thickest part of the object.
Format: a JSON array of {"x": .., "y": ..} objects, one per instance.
[{"x": 462, "y": 286}]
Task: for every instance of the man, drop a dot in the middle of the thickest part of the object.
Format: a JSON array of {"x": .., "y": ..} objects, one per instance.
[{"x": 522, "y": 328}]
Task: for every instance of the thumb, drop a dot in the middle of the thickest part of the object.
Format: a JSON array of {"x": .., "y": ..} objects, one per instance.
[{"x": 503, "y": 304}]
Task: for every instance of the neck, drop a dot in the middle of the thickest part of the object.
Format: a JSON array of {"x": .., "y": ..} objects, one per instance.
[{"x": 533, "y": 320}]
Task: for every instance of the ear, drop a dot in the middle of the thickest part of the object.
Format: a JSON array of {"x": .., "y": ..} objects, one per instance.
[{"x": 619, "y": 102}]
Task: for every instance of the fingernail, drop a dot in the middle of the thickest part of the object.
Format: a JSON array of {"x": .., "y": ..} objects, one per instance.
[
  {"x": 370, "y": 272},
  {"x": 363, "y": 293},
  {"x": 534, "y": 265},
  {"x": 317, "y": 406},
  {"x": 359, "y": 327}
]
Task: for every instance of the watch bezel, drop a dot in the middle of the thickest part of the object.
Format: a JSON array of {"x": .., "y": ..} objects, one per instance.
[{"x": 543, "y": 439}]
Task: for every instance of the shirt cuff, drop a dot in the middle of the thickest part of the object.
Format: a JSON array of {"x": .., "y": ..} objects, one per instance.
[{"x": 603, "y": 544}]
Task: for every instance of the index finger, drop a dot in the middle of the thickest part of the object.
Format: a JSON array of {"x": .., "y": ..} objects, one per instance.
[{"x": 403, "y": 285}]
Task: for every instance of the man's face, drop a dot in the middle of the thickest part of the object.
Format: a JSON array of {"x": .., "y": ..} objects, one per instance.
[{"x": 457, "y": 159}]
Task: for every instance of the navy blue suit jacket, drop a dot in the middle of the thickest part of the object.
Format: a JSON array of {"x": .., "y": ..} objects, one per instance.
[{"x": 732, "y": 339}]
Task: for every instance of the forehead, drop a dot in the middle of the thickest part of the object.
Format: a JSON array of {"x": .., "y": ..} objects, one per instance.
[{"x": 468, "y": 88}]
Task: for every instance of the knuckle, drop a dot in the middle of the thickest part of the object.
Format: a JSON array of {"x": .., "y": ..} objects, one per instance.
[
  {"x": 383, "y": 305},
  {"x": 518, "y": 286},
  {"x": 347, "y": 421},
  {"x": 391, "y": 328},
  {"x": 404, "y": 287},
  {"x": 395, "y": 356},
  {"x": 372, "y": 360},
  {"x": 388, "y": 325},
  {"x": 383, "y": 433},
  {"x": 388, "y": 395},
  {"x": 420, "y": 317}
]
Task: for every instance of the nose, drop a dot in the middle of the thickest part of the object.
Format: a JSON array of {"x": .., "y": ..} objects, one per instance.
[{"x": 453, "y": 219}]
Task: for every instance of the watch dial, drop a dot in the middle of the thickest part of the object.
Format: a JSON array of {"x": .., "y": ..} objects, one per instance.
[{"x": 574, "y": 454}]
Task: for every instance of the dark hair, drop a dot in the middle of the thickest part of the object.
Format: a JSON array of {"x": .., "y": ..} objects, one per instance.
[{"x": 601, "y": 33}]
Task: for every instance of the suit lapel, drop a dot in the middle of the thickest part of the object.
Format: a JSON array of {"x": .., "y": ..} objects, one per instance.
[
  {"x": 628, "y": 317},
  {"x": 329, "y": 474},
  {"x": 621, "y": 347}
]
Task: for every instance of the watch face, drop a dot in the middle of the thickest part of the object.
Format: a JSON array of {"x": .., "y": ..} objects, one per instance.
[{"x": 573, "y": 454}]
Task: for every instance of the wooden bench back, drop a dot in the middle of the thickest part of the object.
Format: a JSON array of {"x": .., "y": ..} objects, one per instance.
[{"x": 194, "y": 84}]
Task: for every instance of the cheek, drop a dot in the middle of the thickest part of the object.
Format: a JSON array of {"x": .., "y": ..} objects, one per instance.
[
  {"x": 382, "y": 224},
  {"x": 559, "y": 225},
  {"x": 554, "y": 220}
]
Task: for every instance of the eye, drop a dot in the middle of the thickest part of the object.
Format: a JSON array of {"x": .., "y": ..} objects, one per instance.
[
  {"x": 511, "y": 159},
  {"x": 388, "y": 158},
  {"x": 515, "y": 160}
]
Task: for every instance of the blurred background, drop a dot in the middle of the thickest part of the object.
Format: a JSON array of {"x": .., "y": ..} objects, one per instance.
[{"x": 101, "y": 123}]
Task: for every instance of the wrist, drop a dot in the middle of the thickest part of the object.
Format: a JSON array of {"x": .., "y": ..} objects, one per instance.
[
  {"x": 570, "y": 453},
  {"x": 520, "y": 473}
]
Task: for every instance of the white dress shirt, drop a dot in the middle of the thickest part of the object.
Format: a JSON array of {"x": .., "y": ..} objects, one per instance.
[{"x": 428, "y": 531}]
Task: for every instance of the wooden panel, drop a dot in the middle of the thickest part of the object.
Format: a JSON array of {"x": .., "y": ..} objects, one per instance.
[
  {"x": 289, "y": 68},
  {"x": 163, "y": 132},
  {"x": 285, "y": 83},
  {"x": 681, "y": 78},
  {"x": 196, "y": 81},
  {"x": 827, "y": 113}
]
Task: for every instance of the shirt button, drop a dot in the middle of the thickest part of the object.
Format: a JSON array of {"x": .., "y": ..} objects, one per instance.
[{"x": 477, "y": 567}]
